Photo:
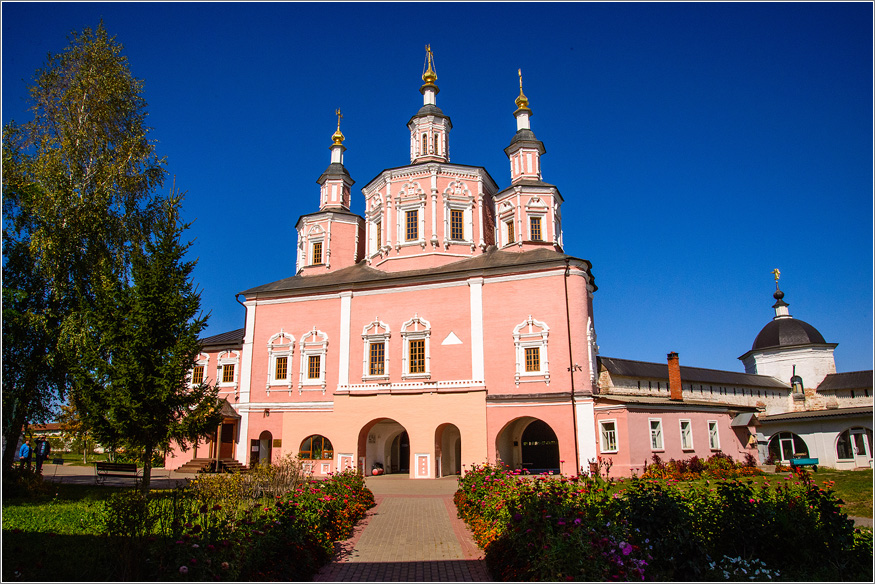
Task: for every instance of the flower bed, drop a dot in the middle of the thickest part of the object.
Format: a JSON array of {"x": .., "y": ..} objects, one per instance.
[
  {"x": 589, "y": 529},
  {"x": 235, "y": 526}
]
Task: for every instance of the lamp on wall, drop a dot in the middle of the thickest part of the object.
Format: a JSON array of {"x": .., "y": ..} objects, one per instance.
[{"x": 266, "y": 411}]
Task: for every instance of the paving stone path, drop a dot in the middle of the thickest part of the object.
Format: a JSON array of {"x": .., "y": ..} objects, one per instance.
[{"x": 412, "y": 535}]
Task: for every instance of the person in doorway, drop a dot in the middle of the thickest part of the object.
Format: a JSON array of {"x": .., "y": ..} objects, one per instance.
[
  {"x": 43, "y": 448},
  {"x": 24, "y": 454}
]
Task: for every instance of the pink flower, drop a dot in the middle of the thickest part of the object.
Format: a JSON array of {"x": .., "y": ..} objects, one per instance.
[{"x": 183, "y": 569}]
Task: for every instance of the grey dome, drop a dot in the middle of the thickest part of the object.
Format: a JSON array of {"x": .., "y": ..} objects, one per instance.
[{"x": 785, "y": 332}]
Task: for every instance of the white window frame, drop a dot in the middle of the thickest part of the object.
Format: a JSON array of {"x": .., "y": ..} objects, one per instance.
[
  {"x": 313, "y": 342},
  {"x": 535, "y": 207},
  {"x": 657, "y": 437},
  {"x": 603, "y": 446},
  {"x": 202, "y": 360},
  {"x": 714, "y": 434},
  {"x": 375, "y": 332},
  {"x": 228, "y": 358},
  {"x": 689, "y": 434},
  {"x": 282, "y": 344},
  {"x": 415, "y": 329},
  {"x": 525, "y": 336},
  {"x": 507, "y": 214}
]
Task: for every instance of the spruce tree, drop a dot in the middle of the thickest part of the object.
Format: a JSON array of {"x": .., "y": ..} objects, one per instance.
[{"x": 140, "y": 346}]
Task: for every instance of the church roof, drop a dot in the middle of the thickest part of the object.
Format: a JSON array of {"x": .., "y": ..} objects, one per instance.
[
  {"x": 647, "y": 400},
  {"x": 834, "y": 413},
  {"x": 786, "y": 332},
  {"x": 361, "y": 273},
  {"x": 849, "y": 380},
  {"x": 627, "y": 368},
  {"x": 230, "y": 338}
]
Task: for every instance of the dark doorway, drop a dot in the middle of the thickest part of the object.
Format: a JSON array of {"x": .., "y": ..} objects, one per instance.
[
  {"x": 540, "y": 448},
  {"x": 404, "y": 452},
  {"x": 226, "y": 450}
]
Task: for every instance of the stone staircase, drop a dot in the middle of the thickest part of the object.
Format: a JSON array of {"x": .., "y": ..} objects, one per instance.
[{"x": 198, "y": 465}]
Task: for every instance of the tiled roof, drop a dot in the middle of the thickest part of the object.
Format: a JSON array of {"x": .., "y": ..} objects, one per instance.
[
  {"x": 644, "y": 369},
  {"x": 849, "y": 380},
  {"x": 361, "y": 273},
  {"x": 229, "y": 338}
]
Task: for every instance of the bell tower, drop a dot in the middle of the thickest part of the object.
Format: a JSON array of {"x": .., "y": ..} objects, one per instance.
[
  {"x": 528, "y": 211},
  {"x": 333, "y": 237},
  {"x": 429, "y": 128}
]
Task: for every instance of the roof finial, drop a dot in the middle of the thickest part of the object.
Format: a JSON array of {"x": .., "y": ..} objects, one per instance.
[
  {"x": 429, "y": 76},
  {"x": 522, "y": 102},
  {"x": 338, "y": 136}
]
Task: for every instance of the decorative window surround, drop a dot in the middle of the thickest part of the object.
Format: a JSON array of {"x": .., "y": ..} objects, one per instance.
[
  {"x": 279, "y": 345},
  {"x": 415, "y": 329},
  {"x": 228, "y": 359},
  {"x": 315, "y": 343},
  {"x": 375, "y": 332},
  {"x": 202, "y": 360},
  {"x": 529, "y": 334}
]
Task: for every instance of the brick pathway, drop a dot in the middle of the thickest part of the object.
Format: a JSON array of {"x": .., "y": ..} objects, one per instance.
[{"x": 412, "y": 535}]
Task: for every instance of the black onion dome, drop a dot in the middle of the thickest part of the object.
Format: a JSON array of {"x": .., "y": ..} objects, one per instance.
[{"x": 785, "y": 332}]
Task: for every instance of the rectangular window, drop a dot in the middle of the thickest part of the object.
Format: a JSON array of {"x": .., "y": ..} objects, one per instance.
[
  {"x": 656, "y": 434},
  {"x": 412, "y": 225},
  {"x": 457, "y": 229},
  {"x": 317, "y": 253},
  {"x": 379, "y": 235},
  {"x": 535, "y": 227},
  {"x": 417, "y": 356},
  {"x": 608, "y": 436},
  {"x": 228, "y": 373},
  {"x": 713, "y": 436},
  {"x": 511, "y": 236},
  {"x": 197, "y": 375},
  {"x": 282, "y": 367},
  {"x": 313, "y": 366},
  {"x": 425, "y": 143},
  {"x": 437, "y": 143},
  {"x": 378, "y": 359},
  {"x": 686, "y": 435},
  {"x": 533, "y": 359}
]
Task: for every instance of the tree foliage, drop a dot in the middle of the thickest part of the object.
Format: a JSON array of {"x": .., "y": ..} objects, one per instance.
[
  {"x": 139, "y": 346},
  {"x": 78, "y": 195}
]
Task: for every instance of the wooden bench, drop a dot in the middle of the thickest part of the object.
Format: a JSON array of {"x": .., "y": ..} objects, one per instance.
[
  {"x": 797, "y": 462},
  {"x": 115, "y": 469}
]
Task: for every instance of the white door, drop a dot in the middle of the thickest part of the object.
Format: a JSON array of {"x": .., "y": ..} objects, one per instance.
[{"x": 862, "y": 451}]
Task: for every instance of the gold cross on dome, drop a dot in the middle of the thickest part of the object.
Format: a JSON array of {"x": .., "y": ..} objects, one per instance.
[
  {"x": 339, "y": 115},
  {"x": 777, "y": 273},
  {"x": 520, "y": 73}
]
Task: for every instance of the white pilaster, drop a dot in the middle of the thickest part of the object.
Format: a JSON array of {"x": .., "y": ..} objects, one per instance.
[
  {"x": 345, "y": 309},
  {"x": 242, "y": 451},
  {"x": 477, "y": 355},
  {"x": 586, "y": 434}
]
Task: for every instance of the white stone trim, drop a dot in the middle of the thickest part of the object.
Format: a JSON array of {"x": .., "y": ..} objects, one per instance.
[
  {"x": 279, "y": 349},
  {"x": 524, "y": 339},
  {"x": 317, "y": 346},
  {"x": 371, "y": 335},
  {"x": 421, "y": 331},
  {"x": 345, "y": 312},
  {"x": 478, "y": 357}
]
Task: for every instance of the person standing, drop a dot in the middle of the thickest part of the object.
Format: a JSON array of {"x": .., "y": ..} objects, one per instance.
[
  {"x": 24, "y": 454},
  {"x": 42, "y": 453}
]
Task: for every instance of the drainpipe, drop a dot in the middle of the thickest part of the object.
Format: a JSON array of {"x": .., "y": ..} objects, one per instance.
[{"x": 571, "y": 369}]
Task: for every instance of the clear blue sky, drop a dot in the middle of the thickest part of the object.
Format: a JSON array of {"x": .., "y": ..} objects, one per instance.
[{"x": 697, "y": 146}]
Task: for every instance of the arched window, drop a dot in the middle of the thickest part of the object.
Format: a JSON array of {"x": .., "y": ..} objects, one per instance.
[
  {"x": 316, "y": 447},
  {"x": 854, "y": 442},
  {"x": 785, "y": 446}
]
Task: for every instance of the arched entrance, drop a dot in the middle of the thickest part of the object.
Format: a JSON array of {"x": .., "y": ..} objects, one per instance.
[
  {"x": 384, "y": 443},
  {"x": 265, "y": 445},
  {"x": 448, "y": 450},
  {"x": 529, "y": 444},
  {"x": 784, "y": 446}
]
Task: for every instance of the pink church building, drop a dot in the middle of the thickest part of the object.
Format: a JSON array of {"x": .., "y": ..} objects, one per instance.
[{"x": 448, "y": 327}]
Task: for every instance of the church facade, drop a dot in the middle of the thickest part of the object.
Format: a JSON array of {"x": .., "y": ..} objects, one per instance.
[{"x": 447, "y": 327}]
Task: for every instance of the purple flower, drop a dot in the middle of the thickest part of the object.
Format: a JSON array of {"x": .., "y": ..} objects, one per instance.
[
  {"x": 517, "y": 517},
  {"x": 183, "y": 569}
]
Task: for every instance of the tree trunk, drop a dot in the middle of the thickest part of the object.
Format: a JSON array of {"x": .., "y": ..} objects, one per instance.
[
  {"x": 147, "y": 470},
  {"x": 13, "y": 433}
]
